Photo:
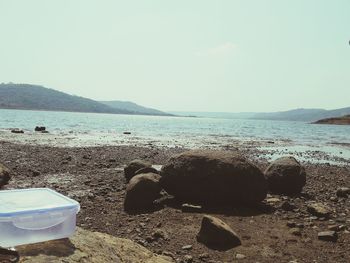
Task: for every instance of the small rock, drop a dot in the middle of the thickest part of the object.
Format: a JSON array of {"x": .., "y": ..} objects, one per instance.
[
  {"x": 188, "y": 259},
  {"x": 17, "y": 131},
  {"x": 318, "y": 210},
  {"x": 273, "y": 200},
  {"x": 333, "y": 227},
  {"x": 160, "y": 233},
  {"x": 133, "y": 167},
  {"x": 35, "y": 173},
  {"x": 168, "y": 254},
  {"x": 291, "y": 224},
  {"x": 4, "y": 175},
  {"x": 191, "y": 208},
  {"x": 295, "y": 231},
  {"x": 287, "y": 206},
  {"x": 187, "y": 247},
  {"x": 214, "y": 233},
  {"x": 333, "y": 199},
  {"x": 343, "y": 192},
  {"x": 40, "y": 128},
  {"x": 204, "y": 256},
  {"x": 328, "y": 236},
  {"x": 240, "y": 256}
]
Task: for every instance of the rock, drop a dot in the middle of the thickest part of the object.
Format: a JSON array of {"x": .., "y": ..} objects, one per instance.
[
  {"x": 328, "y": 236},
  {"x": 273, "y": 200},
  {"x": 291, "y": 224},
  {"x": 89, "y": 247},
  {"x": 213, "y": 177},
  {"x": 187, "y": 247},
  {"x": 287, "y": 206},
  {"x": 333, "y": 227},
  {"x": 17, "y": 131},
  {"x": 147, "y": 170},
  {"x": 188, "y": 259},
  {"x": 133, "y": 166},
  {"x": 318, "y": 210},
  {"x": 295, "y": 231},
  {"x": 141, "y": 191},
  {"x": 187, "y": 208},
  {"x": 343, "y": 192},
  {"x": 40, "y": 128},
  {"x": 285, "y": 176},
  {"x": 4, "y": 175},
  {"x": 203, "y": 256},
  {"x": 216, "y": 234},
  {"x": 160, "y": 233},
  {"x": 240, "y": 256},
  {"x": 35, "y": 173}
]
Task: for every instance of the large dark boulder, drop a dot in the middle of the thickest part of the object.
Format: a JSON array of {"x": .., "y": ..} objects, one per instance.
[
  {"x": 135, "y": 165},
  {"x": 4, "y": 175},
  {"x": 213, "y": 178},
  {"x": 142, "y": 191},
  {"x": 285, "y": 176},
  {"x": 216, "y": 234}
]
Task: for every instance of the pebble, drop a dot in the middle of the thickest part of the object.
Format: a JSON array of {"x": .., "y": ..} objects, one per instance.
[
  {"x": 188, "y": 259},
  {"x": 191, "y": 208},
  {"x": 240, "y": 256},
  {"x": 203, "y": 256},
  {"x": 295, "y": 231},
  {"x": 328, "y": 236},
  {"x": 343, "y": 192},
  {"x": 187, "y": 247}
]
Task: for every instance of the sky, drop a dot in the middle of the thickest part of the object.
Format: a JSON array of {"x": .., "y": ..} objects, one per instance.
[{"x": 183, "y": 55}]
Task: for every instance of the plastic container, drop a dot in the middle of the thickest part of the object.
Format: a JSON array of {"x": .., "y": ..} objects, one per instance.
[{"x": 35, "y": 215}]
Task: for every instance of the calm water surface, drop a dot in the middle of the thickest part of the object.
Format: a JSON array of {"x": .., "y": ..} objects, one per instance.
[{"x": 83, "y": 129}]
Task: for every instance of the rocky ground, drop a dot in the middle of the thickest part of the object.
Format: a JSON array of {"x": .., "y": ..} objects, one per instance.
[{"x": 282, "y": 229}]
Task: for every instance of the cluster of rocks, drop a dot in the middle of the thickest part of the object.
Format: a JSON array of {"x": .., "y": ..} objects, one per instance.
[
  {"x": 211, "y": 178},
  {"x": 41, "y": 129},
  {"x": 204, "y": 178}
]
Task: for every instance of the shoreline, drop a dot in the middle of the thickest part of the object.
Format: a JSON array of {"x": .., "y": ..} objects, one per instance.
[
  {"x": 337, "y": 153},
  {"x": 94, "y": 177}
]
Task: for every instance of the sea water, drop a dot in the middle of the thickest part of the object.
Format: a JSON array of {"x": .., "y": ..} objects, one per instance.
[{"x": 91, "y": 129}]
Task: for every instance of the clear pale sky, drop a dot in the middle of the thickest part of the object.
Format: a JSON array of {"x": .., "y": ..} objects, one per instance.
[{"x": 191, "y": 55}]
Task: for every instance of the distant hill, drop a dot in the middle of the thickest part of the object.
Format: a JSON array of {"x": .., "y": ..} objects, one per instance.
[
  {"x": 133, "y": 107},
  {"x": 33, "y": 97},
  {"x": 308, "y": 115},
  {"x": 345, "y": 120}
]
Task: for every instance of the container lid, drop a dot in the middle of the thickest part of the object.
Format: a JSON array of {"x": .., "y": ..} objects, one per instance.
[{"x": 35, "y": 200}]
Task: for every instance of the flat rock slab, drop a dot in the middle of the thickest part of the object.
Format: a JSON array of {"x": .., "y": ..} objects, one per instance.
[
  {"x": 328, "y": 236},
  {"x": 85, "y": 247}
]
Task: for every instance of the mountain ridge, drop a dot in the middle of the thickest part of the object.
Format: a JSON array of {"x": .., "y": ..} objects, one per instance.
[{"x": 35, "y": 97}]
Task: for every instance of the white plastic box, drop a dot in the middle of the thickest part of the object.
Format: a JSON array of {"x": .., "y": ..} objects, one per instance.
[{"x": 35, "y": 215}]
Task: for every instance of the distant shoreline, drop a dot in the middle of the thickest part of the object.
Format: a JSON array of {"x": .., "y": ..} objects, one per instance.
[
  {"x": 112, "y": 113},
  {"x": 345, "y": 120}
]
